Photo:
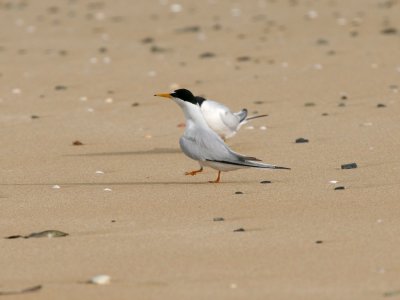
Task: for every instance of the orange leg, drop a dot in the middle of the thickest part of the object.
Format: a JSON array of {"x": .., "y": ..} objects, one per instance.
[
  {"x": 192, "y": 173},
  {"x": 218, "y": 178}
]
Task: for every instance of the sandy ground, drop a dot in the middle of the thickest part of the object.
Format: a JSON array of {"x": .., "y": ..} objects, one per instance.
[{"x": 87, "y": 71}]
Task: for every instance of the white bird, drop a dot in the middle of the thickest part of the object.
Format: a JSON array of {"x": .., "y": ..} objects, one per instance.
[
  {"x": 220, "y": 118},
  {"x": 201, "y": 143}
]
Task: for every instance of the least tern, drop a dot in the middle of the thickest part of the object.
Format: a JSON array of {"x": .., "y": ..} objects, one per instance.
[
  {"x": 201, "y": 143},
  {"x": 220, "y": 118}
]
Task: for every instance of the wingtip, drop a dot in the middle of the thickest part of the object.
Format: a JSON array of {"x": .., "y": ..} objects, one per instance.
[{"x": 282, "y": 168}]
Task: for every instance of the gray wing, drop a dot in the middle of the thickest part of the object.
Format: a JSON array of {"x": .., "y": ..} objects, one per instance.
[
  {"x": 230, "y": 120},
  {"x": 242, "y": 115},
  {"x": 207, "y": 145}
]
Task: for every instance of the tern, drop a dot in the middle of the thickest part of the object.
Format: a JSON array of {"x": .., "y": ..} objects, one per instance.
[
  {"x": 199, "y": 142},
  {"x": 220, "y": 118}
]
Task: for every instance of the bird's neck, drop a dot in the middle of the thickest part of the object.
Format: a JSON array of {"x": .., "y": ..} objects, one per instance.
[{"x": 194, "y": 116}]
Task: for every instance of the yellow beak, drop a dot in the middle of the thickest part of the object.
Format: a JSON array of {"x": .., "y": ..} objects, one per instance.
[{"x": 165, "y": 95}]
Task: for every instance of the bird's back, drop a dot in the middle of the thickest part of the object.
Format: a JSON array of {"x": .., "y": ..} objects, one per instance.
[{"x": 219, "y": 118}]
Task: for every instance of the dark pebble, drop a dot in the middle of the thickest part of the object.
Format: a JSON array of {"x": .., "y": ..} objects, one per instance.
[
  {"x": 243, "y": 58},
  {"x": 390, "y": 30},
  {"x": 113, "y": 221},
  {"x": 135, "y": 104},
  {"x": 216, "y": 27},
  {"x": 239, "y": 230},
  {"x": 207, "y": 55},
  {"x": 218, "y": 219},
  {"x": 188, "y": 29},
  {"x": 353, "y": 33},
  {"x": 339, "y": 188},
  {"x": 380, "y": 105},
  {"x": 349, "y": 166},
  {"x": 309, "y": 104},
  {"x": 319, "y": 242},
  {"x": 238, "y": 193},
  {"x": 60, "y": 87},
  {"x": 13, "y": 237},
  {"x": 331, "y": 52},
  {"x": 77, "y": 143},
  {"x": 324, "y": 114},
  {"x": 34, "y": 117},
  {"x": 147, "y": 40},
  {"x": 102, "y": 49},
  {"x": 265, "y": 181},
  {"x": 343, "y": 97},
  {"x": 342, "y": 104},
  {"x": 322, "y": 41},
  {"x": 157, "y": 49},
  {"x": 301, "y": 140}
]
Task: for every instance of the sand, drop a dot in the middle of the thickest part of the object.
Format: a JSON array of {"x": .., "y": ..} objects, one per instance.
[{"x": 87, "y": 71}]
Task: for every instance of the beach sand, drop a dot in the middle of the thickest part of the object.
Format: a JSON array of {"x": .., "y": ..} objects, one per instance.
[{"x": 327, "y": 71}]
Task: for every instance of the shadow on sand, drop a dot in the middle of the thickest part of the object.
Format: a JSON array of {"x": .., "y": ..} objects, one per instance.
[{"x": 140, "y": 152}]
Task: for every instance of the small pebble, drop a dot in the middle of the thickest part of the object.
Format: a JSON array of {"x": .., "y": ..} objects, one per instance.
[
  {"x": 390, "y": 30},
  {"x": 147, "y": 40},
  {"x": 324, "y": 114},
  {"x": 312, "y": 14},
  {"x": 60, "y": 87},
  {"x": 249, "y": 127},
  {"x": 319, "y": 242},
  {"x": 175, "y": 8},
  {"x": 333, "y": 181},
  {"x": 380, "y": 105},
  {"x": 16, "y": 91},
  {"x": 218, "y": 219},
  {"x": 349, "y": 166},
  {"x": 207, "y": 55},
  {"x": 263, "y": 127},
  {"x": 56, "y": 186},
  {"x": 100, "y": 279},
  {"x": 99, "y": 172},
  {"x": 135, "y": 104},
  {"x": 107, "y": 190},
  {"x": 239, "y": 230},
  {"x": 157, "y": 49},
  {"x": 34, "y": 117},
  {"x": 339, "y": 188},
  {"x": 243, "y": 58},
  {"x": 317, "y": 66},
  {"x": 238, "y": 193},
  {"x": 77, "y": 143},
  {"x": 109, "y": 100},
  {"x": 342, "y": 104},
  {"x": 309, "y": 104},
  {"x": 301, "y": 140},
  {"x": 265, "y": 181}
]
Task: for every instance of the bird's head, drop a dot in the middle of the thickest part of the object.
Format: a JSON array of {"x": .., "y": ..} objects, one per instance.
[{"x": 182, "y": 97}]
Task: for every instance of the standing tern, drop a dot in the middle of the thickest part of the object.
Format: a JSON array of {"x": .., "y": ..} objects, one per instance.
[
  {"x": 220, "y": 118},
  {"x": 201, "y": 143}
]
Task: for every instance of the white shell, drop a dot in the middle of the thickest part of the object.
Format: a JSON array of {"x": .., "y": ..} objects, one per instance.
[{"x": 100, "y": 279}]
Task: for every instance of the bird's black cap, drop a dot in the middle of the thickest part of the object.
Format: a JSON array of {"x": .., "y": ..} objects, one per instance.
[{"x": 184, "y": 95}]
